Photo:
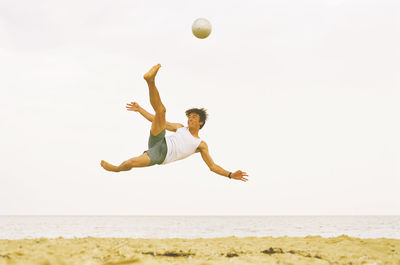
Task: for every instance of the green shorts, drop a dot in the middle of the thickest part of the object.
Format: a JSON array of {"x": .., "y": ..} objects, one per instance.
[{"x": 157, "y": 148}]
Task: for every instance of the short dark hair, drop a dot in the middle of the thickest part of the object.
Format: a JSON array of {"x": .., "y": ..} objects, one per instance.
[{"x": 202, "y": 113}]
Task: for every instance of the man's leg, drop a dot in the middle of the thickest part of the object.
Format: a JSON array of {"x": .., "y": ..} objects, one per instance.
[
  {"x": 140, "y": 161},
  {"x": 159, "y": 123}
]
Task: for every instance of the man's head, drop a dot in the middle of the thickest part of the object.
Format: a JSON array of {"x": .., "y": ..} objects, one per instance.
[{"x": 196, "y": 117}]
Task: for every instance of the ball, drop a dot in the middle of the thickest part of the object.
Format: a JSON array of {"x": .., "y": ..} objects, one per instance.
[{"x": 201, "y": 28}]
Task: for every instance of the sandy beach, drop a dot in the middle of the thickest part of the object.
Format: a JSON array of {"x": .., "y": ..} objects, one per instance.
[{"x": 229, "y": 250}]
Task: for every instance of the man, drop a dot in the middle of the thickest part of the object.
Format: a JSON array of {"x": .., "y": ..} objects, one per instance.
[{"x": 166, "y": 149}]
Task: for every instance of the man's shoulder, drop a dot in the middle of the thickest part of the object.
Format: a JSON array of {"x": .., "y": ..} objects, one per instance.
[
  {"x": 203, "y": 145},
  {"x": 174, "y": 127}
]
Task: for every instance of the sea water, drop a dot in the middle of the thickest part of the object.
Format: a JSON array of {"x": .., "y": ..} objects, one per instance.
[{"x": 17, "y": 227}]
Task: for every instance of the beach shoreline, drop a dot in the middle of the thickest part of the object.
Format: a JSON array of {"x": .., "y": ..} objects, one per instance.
[{"x": 201, "y": 251}]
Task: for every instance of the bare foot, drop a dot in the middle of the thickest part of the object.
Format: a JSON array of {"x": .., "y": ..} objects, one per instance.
[
  {"x": 151, "y": 74},
  {"x": 108, "y": 166}
]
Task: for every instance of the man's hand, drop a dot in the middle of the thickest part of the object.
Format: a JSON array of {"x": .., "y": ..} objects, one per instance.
[
  {"x": 133, "y": 106},
  {"x": 239, "y": 175}
]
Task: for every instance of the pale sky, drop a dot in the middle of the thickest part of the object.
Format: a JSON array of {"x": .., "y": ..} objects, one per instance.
[{"x": 302, "y": 95}]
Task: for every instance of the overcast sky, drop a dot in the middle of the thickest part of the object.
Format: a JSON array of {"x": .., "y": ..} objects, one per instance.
[{"x": 302, "y": 95}]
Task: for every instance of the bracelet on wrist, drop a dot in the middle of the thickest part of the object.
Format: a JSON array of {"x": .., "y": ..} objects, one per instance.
[{"x": 229, "y": 175}]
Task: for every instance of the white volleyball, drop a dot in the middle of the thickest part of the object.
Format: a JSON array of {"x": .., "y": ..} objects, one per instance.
[{"x": 201, "y": 28}]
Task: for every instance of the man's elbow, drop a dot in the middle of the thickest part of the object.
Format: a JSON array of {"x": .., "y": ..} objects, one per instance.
[{"x": 213, "y": 168}]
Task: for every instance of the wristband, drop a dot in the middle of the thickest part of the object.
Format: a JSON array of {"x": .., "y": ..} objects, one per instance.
[{"x": 229, "y": 175}]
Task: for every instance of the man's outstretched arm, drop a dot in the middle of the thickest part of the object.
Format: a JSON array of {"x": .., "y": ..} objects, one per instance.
[
  {"x": 239, "y": 175},
  {"x": 134, "y": 106}
]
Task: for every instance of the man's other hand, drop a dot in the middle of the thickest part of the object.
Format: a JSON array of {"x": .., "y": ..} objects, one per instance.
[{"x": 133, "y": 106}]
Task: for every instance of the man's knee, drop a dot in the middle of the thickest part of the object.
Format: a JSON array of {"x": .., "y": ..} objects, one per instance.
[
  {"x": 141, "y": 161},
  {"x": 161, "y": 109}
]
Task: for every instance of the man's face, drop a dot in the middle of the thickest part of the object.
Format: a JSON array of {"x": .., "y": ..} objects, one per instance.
[{"x": 194, "y": 120}]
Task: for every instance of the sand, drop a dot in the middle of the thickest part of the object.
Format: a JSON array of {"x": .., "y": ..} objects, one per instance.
[{"x": 230, "y": 250}]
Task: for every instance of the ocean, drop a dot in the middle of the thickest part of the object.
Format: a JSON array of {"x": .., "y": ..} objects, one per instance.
[{"x": 18, "y": 227}]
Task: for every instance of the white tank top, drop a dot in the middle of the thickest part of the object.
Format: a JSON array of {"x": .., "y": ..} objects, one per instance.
[{"x": 180, "y": 145}]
